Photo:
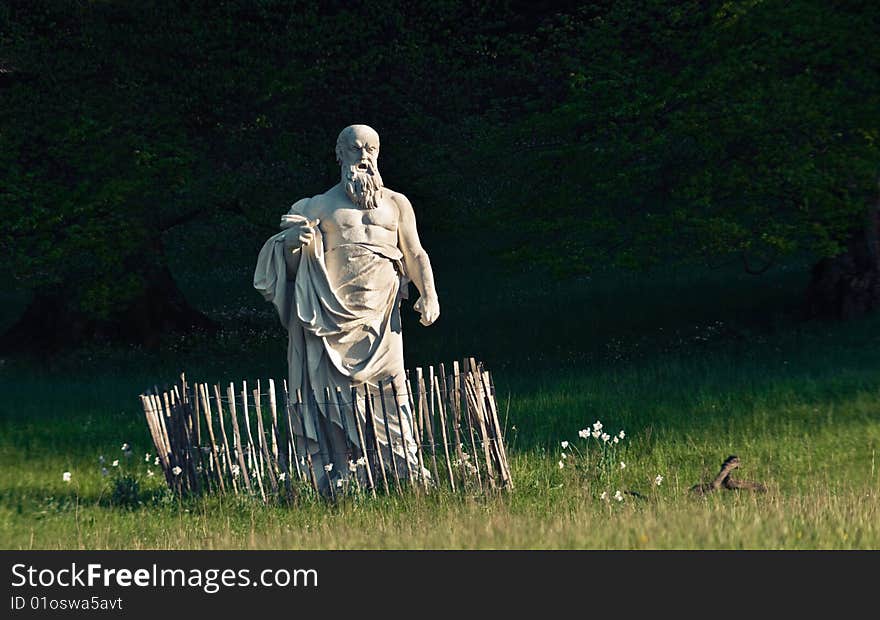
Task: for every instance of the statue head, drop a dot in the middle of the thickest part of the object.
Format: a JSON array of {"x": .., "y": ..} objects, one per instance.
[{"x": 357, "y": 152}]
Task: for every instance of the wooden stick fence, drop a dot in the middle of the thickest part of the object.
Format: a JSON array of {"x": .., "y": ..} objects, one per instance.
[{"x": 456, "y": 440}]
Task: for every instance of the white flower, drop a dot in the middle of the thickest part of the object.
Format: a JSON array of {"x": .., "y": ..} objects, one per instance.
[
  {"x": 236, "y": 470},
  {"x": 622, "y": 465},
  {"x": 561, "y": 464},
  {"x": 658, "y": 480},
  {"x": 564, "y": 455},
  {"x": 596, "y": 434},
  {"x": 618, "y": 496},
  {"x": 282, "y": 476},
  {"x": 66, "y": 476},
  {"x": 352, "y": 466},
  {"x": 362, "y": 461},
  {"x": 339, "y": 483},
  {"x": 147, "y": 457},
  {"x": 126, "y": 447},
  {"x": 176, "y": 471},
  {"x": 150, "y": 472},
  {"x": 584, "y": 434},
  {"x": 564, "y": 445},
  {"x": 621, "y": 434},
  {"x": 115, "y": 463},
  {"x": 156, "y": 461},
  {"x": 604, "y": 496},
  {"x": 328, "y": 467},
  {"x": 597, "y": 425},
  {"x": 104, "y": 471},
  {"x": 617, "y": 440},
  {"x": 606, "y": 437}
]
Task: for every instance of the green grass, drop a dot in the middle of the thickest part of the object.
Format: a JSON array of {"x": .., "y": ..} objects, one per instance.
[{"x": 693, "y": 367}]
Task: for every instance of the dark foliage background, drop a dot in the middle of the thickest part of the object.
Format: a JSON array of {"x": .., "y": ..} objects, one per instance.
[{"x": 572, "y": 136}]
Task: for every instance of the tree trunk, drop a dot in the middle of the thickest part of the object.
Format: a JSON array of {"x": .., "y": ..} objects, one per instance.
[
  {"x": 51, "y": 323},
  {"x": 848, "y": 286}
]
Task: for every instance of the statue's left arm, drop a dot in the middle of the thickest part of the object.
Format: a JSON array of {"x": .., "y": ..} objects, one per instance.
[{"x": 416, "y": 262}]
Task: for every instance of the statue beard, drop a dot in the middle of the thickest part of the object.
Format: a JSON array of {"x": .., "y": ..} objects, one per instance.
[{"x": 362, "y": 184}]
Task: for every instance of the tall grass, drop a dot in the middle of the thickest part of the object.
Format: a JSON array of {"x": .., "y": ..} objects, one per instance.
[{"x": 693, "y": 366}]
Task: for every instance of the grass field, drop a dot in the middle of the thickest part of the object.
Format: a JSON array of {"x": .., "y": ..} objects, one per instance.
[{"x": 693, "y": 366}]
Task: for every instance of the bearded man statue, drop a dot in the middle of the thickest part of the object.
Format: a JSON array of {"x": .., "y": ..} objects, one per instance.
[{"x": 337, "y": 274}]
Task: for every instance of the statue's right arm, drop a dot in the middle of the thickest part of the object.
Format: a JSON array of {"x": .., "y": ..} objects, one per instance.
[{"x": 292, "y": 243}]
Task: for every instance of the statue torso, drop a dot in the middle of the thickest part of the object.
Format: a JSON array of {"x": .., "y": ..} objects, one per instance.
[{"x": 343, "y": 222}]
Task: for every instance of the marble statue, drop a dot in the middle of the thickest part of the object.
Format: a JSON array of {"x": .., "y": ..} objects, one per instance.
[{"x": 337, "y": 273}]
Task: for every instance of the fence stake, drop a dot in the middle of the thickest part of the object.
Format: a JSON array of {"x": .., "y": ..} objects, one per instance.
[
  {"x": 261, "y": 435},
  {"x": 371, "y": 418},
  {"x": 302, "y": 420},
  {"x": 239, "y": 450},
  {"x": 291, "y": 435},
  {"x": 399, "y": 408},
  {"x": 202, "y": 393},
  {"x": 388, "y": 438},
  {"x": 436, "y": 394},
  {"x": 279, "y": 455},
  {"x": 361, "y": 439},
  {"x": 253, "y": 457},
  {"x": 227, "y": 447}
]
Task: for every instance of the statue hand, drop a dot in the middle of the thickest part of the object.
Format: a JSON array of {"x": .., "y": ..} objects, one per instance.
[
  {"x": 300, "y": 229},
  {"x": 429, "y": 308}
]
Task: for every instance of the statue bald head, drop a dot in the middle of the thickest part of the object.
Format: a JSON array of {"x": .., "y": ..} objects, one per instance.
[
  {"x": 357, "y": 152},
  {"x": 352, "y": 134}
]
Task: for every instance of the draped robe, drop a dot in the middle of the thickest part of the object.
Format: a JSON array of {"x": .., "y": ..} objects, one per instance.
[{"x": 341, "y": 309}]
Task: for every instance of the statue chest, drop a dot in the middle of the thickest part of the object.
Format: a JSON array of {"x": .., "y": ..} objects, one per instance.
[{"x": 345, "y": 219}]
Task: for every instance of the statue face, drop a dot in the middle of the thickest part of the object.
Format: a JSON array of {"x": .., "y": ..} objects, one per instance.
[{"x": 359, "y": 148}]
